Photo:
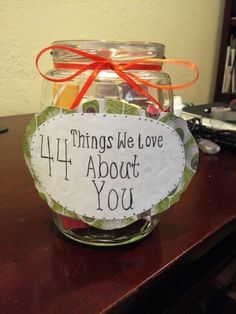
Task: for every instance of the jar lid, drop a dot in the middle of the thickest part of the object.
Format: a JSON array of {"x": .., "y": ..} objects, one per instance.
[{"x": 118, "y": 51}]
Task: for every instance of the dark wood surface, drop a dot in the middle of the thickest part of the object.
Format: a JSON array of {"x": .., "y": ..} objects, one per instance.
[{"x": 43, "y": 272}]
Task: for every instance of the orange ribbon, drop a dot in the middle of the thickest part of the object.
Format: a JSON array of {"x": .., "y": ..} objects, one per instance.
[{"x": 99, "y": 64}]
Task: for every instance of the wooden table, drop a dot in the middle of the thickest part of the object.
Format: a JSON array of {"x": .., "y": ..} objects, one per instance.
[{"x": 43, "y": 272}]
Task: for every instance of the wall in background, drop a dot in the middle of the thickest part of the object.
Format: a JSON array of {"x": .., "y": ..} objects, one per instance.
[{"x": 190, "y": 29}]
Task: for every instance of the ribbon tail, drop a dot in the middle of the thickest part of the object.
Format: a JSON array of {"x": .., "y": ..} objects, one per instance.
[
  {"x": 188, "y": 64},
  {"x": 85, "y": 87},
  {"x": 139, "y": 89}
]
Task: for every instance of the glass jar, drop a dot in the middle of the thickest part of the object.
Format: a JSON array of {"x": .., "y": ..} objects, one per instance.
[{"x": 107, "y": 85}]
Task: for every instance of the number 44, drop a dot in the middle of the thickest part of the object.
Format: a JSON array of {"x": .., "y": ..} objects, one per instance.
[{"x": 46, "y": 153}]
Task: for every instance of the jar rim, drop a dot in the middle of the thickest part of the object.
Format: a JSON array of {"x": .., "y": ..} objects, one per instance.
[{"x": 118, "y": 51}]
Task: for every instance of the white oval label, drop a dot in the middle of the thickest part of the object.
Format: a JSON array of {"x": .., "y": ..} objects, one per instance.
[{"x": 107, "y": 166}]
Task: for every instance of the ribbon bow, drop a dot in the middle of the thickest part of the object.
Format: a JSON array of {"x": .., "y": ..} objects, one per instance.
[{"x": 99, "y": 64}]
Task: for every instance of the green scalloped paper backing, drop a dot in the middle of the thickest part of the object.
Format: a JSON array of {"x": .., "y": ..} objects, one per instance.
[{"x": 115, "y": 107}]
